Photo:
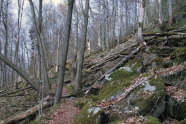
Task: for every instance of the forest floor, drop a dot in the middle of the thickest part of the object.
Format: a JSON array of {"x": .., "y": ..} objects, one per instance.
[{"x": 65, "y": 112}]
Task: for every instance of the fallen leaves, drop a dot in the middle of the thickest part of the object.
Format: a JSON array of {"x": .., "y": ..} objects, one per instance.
[{"x": 177, "y": 93}]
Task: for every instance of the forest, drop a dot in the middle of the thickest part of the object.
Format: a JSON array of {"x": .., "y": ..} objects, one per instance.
[{"x": 92, "y": 62}]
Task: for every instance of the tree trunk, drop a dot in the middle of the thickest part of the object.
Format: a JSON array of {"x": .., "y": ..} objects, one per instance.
[
  {"x": 107, "y": 25},
  {"x": 160, "y": 12},
  {"x": 78, "y": 80},
  {"x": 14, "y": 67},
  {"x": 115, "y": 5},
  {"x": 141, "y": 19},
  {"x": 38, "y": 29},
  {"x": 170, "y": 12},
  {"x": 126, "y": 14},
  {"x": 64, "y": 53},
  {"x": 58, "y": 50}
]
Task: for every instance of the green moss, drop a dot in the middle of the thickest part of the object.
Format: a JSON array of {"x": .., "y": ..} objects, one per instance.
[
  {"x": 94, "y": 97},
  {"x": 146, "y": 105},
  {"x": 182, "y": 122},
  {"x": 81, "y": 102},
  {"x": 151, "y": 120},
  {"x": 68, "y": 65},
  {"x": 120, "y": 80},
  {"x": 158, "y": 61},
  {"x": 179, "y": 55},
  {"x": 135, "y": 64},
  {"x": 89, "y": 114},
  {"x": 25, "y": 83}
]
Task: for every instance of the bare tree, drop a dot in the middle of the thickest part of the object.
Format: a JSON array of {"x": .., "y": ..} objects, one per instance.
[
  {"x": 64, "y": 53},
  {"x": 78, "y": 79},
  {"x": 19, "y": 20},
  {"x": 38, "y": 29}
]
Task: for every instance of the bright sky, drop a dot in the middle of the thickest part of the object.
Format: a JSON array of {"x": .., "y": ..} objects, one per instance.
[{"x": 26, "y": 6}]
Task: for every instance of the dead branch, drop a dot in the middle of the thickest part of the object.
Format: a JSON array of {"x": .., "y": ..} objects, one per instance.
[
  {"x": 15, "y": 91},
  {"x": 107, "y": 59},
  {"x": 163, "y": 34},
  {"x": 122, "y": 62}
]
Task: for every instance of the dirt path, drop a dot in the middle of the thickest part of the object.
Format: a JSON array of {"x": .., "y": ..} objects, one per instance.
[{"x": 66, "y": 111}]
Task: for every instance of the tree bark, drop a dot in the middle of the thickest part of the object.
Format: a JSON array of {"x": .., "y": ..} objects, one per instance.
[
  {"x": 64, "y": 53},
  {"x": 141, "y": 19},
  {"x": 160, "y": 12},
  {"x": 78, "y": 79},
  {"x": 170, "y": 12}
]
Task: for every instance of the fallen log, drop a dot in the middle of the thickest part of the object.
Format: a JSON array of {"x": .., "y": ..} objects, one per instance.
[
  {"x": 122, "y": 62},
  {"x": 28, "y": 113},
  {"x": 19, "y": 71},
  {"x": 16, "y": 91},
  {"x": 107, "y": 59},
  {"x": 163, "y": 34}
]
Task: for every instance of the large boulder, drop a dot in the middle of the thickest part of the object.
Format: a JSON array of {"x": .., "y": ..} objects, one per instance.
[
  {"x": 147, "y": 99},
  {"x": 91, "y": 114}
]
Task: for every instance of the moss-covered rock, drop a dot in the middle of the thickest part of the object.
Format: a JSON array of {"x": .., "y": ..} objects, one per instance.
[
  {"x": 175, "y": 109},
  {"x": 179, "y": 55},
  {"x": 151, "y": 120},
  {"x": 136, "y": 65},
  {"x": 148, "y": 58},
  {"x": 143, "y": 99},
  {"x": 146, "y": 120},
  {"x": 91, "y": 114},
  {"x": 81, "y": 102},
  {"x": 120, "y": 79}
]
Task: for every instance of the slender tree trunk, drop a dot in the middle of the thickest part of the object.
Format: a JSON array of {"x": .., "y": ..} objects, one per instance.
[
  {"x": 107, "y": 25},
  {"x": 115, "y": 2},
  {"x": 5, "y": 24},
  {"x": 58, "y": 50},
  {"x": 38, "y": 29},
  {"x": 101, "y": 28},
  {"x": 160, "y": 12},
  {"x": 121, "y": 22},
  {"x": 20, "y": 13},
  {"x": 78, "y": 79},
  {"x": 141, "y": 19},
  {"x": 74, "y": 52},
  {"x": 170, "y": 12},
  {"x": 127, "y": 17},
  {"x": 64, "y": 53}
]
